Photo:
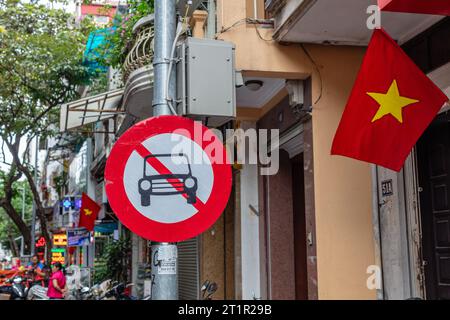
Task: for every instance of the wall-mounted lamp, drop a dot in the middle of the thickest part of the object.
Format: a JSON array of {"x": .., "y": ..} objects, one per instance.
[{"x": 254, "y": 85}]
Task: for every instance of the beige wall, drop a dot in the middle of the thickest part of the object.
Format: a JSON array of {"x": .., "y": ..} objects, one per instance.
[{"x": 342, "y": 186}]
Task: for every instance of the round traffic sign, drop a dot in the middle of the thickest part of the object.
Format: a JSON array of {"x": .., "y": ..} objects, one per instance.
[{"x": 167, "y": 178}]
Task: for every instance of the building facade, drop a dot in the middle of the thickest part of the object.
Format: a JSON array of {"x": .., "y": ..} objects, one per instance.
[{"x": 321, "y": 226}]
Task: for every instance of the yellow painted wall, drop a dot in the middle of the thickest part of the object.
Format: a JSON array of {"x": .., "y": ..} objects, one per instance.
[{"x": 342, "y": 186}]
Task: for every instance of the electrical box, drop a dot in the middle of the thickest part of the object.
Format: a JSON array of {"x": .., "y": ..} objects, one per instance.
[{"x": 206, "y": 80}]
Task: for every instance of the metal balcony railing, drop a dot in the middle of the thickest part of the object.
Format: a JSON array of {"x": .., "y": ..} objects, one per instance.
[{"x": 141, "y": 54}]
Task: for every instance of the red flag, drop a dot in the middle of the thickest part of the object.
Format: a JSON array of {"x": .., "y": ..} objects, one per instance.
[
  {"x": 391, "y": 105},
  {"x": 88, "y": 212},
  {"x": 436, "y": 7}
]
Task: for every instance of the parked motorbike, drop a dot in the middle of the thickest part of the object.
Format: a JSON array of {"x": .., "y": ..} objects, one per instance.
[
  {"x": 16, "y": 288},
  {"x": 118, "y": 292},
  {"x": 96, "y": 292},
  {"x": 37, "y": 292},
  {"x": 208, "y": 289}
]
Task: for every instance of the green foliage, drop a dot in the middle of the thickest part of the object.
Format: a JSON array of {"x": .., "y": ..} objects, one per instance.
[
  {"x": 99, "y": 85},
  {"x": 119, "y": 41},
  {"x": 41, "y": 55},
  {"x": 6, "y": 225},
  {"x": 40, "y": 66},
  {"x": 113, "y": 263}
]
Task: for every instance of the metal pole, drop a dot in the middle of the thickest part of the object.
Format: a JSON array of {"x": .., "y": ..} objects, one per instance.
[
  {"x": 211, "y": 26},
  {"x": 164, "y": 255},
  {"x": 23, "y": 203},
  {"x": 22, "y": 244},
  {"x": 33, "y": 217},
  {"x": 165, "y": 28}
]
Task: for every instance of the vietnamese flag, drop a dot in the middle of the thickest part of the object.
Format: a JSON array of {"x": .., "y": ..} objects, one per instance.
[
  {"x": 88, "y": 212},
  {"x": 390, "y": 106},
  {"x": 436, "y": 7}
]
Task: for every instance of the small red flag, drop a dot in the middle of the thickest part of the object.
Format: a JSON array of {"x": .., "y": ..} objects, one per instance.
[
  {"x": 390, "y": 106},
  {"x": 88, "y": 212},
  {"x": 436, "y": 7}
]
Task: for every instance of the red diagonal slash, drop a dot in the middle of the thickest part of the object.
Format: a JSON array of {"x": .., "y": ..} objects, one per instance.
[{"x": 162, "y": 169}]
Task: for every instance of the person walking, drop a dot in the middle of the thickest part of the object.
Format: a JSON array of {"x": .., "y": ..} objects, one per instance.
[{"x": 57, "y": 287}]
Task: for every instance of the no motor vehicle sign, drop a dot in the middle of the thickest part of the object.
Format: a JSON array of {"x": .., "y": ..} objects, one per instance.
[{"x": 164, "y": 180}]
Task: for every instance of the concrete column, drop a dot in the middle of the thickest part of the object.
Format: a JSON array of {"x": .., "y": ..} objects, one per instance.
[
  {"x": 249, "y": 230},
  {"x": 197, "y": 23}
]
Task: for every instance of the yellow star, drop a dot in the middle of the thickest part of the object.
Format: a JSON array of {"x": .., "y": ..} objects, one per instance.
[
  {"x": 87, "y": 212},
  {"x": 391, "y": 103}
]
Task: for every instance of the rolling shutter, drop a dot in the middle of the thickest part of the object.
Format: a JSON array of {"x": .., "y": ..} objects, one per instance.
[
  {"x": 188, "y": 270},
  {"x": 291, "y": 141}
]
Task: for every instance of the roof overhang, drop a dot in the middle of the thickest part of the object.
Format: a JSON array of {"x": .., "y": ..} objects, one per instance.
[
  {"x": 90, "y": 109},
  {"x": 342, "y": 22}
]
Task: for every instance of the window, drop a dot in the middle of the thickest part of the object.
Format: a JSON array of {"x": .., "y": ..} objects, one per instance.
[{"x": 101, "y": 19}]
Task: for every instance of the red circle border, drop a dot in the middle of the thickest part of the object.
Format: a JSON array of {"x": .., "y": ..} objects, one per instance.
[{"x": 133, "y": 219}]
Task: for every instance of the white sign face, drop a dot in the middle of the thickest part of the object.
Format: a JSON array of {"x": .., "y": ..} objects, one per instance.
[
  {"x": 163, "y": 183},
  {"x": 167, "y": 179}
]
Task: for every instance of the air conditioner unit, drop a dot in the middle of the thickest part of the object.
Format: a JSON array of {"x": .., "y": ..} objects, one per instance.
[{"x": 206, "y": 80}]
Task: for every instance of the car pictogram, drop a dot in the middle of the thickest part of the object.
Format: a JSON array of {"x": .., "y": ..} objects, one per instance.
[{"x": 182, "y": 182}]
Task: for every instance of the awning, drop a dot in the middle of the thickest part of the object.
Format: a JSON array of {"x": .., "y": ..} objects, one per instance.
[
  {"x": 106, "y": 227},
  {"x": 436, "y": 7},
  {"x": 96, "y": 40},
  {"x": 90, "y": 109}
]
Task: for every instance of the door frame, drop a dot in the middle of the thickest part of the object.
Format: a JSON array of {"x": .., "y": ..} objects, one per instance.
[
  {"x": 397, "y": 232},
  {"x": 414, "y": 225}
]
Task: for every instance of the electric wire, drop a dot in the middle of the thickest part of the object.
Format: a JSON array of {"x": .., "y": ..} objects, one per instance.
[
  {"x": 317, "y": 69},
  {"x": 181, "y": 28},
  {"x": 247, "y": 21},
  {"x": 258, "y": 22}
]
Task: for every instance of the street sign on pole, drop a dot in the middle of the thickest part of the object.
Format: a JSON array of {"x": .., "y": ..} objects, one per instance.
[{"x": 168, "y": 178}]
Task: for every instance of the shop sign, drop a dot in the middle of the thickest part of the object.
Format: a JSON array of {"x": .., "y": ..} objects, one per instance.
[
  {"x": 59, "y": 255},
  {"x": 78, "y": 237},
  {"x": 60, "y": 240},
  {"x": 40, "y": 242}
]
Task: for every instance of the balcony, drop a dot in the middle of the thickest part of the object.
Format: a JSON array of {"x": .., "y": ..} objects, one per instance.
[
  {"x": 138, "y": 71},
  {"x": 141, "y": 54}
]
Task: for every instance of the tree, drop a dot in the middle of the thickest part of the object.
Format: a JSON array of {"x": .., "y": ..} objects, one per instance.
[
  {"x": 41, "y": 54},
  {"x": 8, "y": 230},
  {"x": 7, "y": 194}
]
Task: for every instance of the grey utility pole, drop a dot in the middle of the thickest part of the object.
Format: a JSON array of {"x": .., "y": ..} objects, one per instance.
[
  {"x": 33, "y": 217},
  {"x": 164, "y": 255},
  {"x": 23, "y": 218}
]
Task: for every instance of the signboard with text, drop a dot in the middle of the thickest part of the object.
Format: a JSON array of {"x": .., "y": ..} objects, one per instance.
[
  {"x": 78, "y": 237},
  {"x": 60, "y": 240},
  {"x": 59, "y": 255}
]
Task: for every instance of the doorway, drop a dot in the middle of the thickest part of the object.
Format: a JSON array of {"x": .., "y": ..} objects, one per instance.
[
  {"x": 286, "y": 230},
  {"x": 433, "y": 155},
  {"x": 298, "y": 204}
]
